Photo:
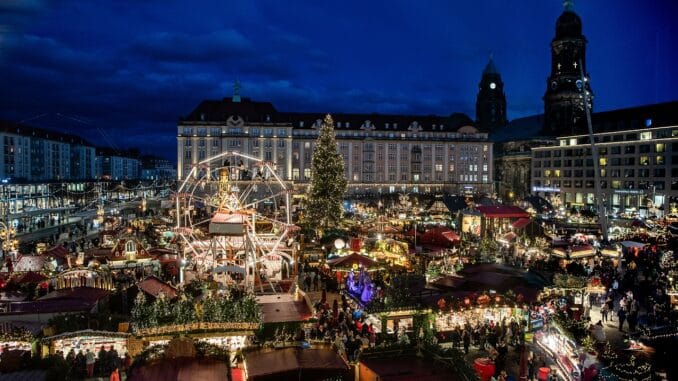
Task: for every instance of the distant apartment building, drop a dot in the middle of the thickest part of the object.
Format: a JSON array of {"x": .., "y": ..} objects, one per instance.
[
  {"x": 117, "y": 165},
  {"x": 638, "y": 169},
  {"x": 34, "y": 154},
  {"x": 382, "y": 153},
  {"x": 156, "y": 168}
]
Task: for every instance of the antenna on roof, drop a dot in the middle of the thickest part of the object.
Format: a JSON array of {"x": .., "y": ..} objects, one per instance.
[{"x": 236, "y": 91}]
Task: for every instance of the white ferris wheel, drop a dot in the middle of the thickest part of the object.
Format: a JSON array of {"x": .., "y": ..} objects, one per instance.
[{"x": 233, "y": 215}]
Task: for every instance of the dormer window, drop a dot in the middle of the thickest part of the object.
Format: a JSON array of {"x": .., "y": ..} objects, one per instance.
[
  {"x": 387, "y": 126},
  {"x": 348, "y": 125},
  {"x": 301, "y": 123},
  {"x": 338, "y": 124}
]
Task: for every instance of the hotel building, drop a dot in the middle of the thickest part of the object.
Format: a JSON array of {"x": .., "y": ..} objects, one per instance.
[
  {"x": 382, "y": 153},
  {"x": 638, "y": 170}
]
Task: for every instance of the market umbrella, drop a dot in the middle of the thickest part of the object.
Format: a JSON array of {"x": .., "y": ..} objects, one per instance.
[{"x": 348, "y": 262}]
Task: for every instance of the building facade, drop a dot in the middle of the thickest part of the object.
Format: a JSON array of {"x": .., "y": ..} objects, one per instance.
[
  {"x": 33, "y": 154},
  {"x": 638, "y": 170},
  {"x": 564, "y": 111},
  {"x": 382, "y": 153},
  {"x": 116, "y": 165},
  {"x": 156, "y": 168}
]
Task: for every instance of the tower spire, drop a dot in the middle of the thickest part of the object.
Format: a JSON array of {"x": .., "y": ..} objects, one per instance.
[
  {"x": 236, "y": 91},
  {"x": 568, "y": 5}
]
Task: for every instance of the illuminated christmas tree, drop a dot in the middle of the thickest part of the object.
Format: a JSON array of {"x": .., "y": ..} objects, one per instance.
[{"x": 328, "y": 183}]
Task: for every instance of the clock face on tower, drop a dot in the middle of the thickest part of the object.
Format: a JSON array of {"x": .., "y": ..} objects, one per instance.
[
  {"x": 493, "y": 85},
  {"x": 553, "y": 85}
]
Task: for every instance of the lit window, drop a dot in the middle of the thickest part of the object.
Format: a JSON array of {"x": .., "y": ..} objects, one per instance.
[
  {"x": 603, "y": 161},
  {"x": 646, "y": 135},
  {"x": 660, "y": 147}
]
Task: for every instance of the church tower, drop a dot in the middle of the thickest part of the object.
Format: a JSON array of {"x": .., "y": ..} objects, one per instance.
[
  {"x": 564, "y": 111},
  {"x": 491, "y": 101}
]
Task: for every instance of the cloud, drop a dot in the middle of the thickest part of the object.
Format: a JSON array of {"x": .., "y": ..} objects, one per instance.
[{"x": 183, "y": 47}]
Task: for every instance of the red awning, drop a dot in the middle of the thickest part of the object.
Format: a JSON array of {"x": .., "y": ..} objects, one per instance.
[
  {"x": 520, "y": 223},
  {"x": 502, "y": 211}
]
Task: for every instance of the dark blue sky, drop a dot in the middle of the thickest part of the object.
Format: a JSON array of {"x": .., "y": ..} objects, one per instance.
[{"x": 131, "y": 68}]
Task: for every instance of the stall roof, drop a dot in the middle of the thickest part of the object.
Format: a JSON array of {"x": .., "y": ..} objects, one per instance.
[
  {"x": 154, "y": 286},
  {"x": 350, "y": 260},
  {"x": 279, "y": 308},
  {"x": 64, "y": 300},
  {"x": 87, "y": 333},
  {"x": 520, "y": 223},
  {"x": 408, "y": 368},
  {"x": 57, "y": 251},
  {"x": 632, "y": 244},
  {"x": 293, "y": 359},
  {"x": 502, "y": 211}
]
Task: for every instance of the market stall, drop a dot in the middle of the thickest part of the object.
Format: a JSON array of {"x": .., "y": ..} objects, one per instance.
[
  {"x": 18, "y": 339},
  {"x": 392, "y": 252},
  {"x": 484, "y": 309},
  {"x": 563, "y": 350},
  {"x": 83, "y": 340}
]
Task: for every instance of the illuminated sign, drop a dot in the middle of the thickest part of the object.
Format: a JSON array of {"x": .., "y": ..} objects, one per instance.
[
  {"x": 545, "y": 189},
  {"x": 629, "y": 191}
]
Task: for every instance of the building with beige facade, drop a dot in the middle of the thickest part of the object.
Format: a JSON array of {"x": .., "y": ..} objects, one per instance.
[{"x": 382, "y": 153}]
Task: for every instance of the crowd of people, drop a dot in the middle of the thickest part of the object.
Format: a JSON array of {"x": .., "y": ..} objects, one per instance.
[
  {"x": 103, "y": 363},
  {"x": 344, "y": 326}
]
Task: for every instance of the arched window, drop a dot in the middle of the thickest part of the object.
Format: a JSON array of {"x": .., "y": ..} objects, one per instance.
[{"x": 130, "y": 247}]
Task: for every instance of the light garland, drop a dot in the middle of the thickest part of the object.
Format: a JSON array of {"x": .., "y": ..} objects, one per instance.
[{"x": 633, "y": 372}]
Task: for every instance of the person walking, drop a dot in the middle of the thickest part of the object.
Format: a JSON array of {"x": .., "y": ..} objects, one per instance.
[
  {"x": 466, "y": 338},
  {"x": 89, "y": 363},
  {"x": 621, "y": 314},
  {"x": 604, "y": 311}
]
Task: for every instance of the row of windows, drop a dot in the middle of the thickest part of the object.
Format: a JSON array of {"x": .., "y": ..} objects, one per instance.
[
  {"x": 645, "y": 135},
  {"x": 614, "y": 184},
  {"x": 614, "y": 150},
  {"x": 614, "y": 173},
  {"x": 604, "y": 161}
]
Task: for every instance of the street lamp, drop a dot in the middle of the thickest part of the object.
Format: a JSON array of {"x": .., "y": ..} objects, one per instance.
[{"x": 7, "y": 235}]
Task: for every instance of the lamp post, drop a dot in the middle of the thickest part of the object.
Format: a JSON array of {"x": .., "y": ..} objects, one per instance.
[{"x": 7, "y": 235}]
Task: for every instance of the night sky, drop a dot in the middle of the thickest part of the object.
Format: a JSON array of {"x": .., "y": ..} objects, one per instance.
[{"x": 123, "y": 72}]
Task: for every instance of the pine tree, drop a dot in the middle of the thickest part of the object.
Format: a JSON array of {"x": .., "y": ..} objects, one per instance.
[
  {"x": 140, "y": 318},
  {"x": 328, "y": 183}
]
